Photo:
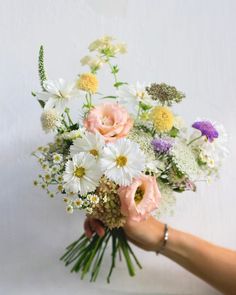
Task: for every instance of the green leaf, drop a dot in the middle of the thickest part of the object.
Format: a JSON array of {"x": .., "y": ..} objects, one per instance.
[
  {"x": 144, "y": 106},
  {"x": 41, "y": 102},
  {"x": 118, "y": 84},
  {"x": 109, "y": 96},
  {"x": 115, "y": 69},
  {"x": 174, "y": 132}
]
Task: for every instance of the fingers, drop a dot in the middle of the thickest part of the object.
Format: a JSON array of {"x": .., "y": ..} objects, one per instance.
[
  {"x": 87, "y": 229},
  {"x": 97, "y": 226},
  {"x": 93, "y": 226}
]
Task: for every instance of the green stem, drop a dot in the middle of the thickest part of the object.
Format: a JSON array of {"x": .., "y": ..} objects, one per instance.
[
  {"x": 125, "y": 251},
  {"x": 67, "y": 111},
  {"x": 114, "y": 74},
  {"x": 193, "y": 140},
  {"x": 100, "y": 259},
  {"x": 113, "y": 254}
]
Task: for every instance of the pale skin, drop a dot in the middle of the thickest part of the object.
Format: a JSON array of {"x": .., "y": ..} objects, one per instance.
[{"x": 215, "y": 265}]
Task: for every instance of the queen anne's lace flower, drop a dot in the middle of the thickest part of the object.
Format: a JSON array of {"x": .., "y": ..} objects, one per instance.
[{"x": 184, "y": 159}]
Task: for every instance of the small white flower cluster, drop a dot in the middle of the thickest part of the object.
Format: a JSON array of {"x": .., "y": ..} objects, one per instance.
[
  {"x": 105, "y": 49},
  {"x": 75, "y": 202},
  {"x": 52, "y": 164},
  {"x": 184, "y": 160}
]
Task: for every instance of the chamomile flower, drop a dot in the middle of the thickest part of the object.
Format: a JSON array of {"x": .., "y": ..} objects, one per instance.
[
  {"x": 94, "y": 199},
  {"x": 122, "y": 161},
  {"x": 78, "y": 203},
  {"x": 59, "y": 178},
  {"x": 86, "y": 203},
  {"x": 82, "y": 174},
  {"x": 92, "y": 143},
  {"x": 58, "y": 94},
  {"x": 57, "y": 158},
  {"x": 55, "y": 169}
]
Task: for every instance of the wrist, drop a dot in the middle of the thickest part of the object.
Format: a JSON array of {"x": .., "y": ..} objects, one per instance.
[{"x": 175, "y": 245}]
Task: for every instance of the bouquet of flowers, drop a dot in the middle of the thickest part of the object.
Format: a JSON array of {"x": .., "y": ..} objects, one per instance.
[{"x": 122, "y": 158}]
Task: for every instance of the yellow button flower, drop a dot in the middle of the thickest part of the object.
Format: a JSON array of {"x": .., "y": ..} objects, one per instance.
[
  {"x": 88, "y": 82},
  {"x": 162, "y": 118}
]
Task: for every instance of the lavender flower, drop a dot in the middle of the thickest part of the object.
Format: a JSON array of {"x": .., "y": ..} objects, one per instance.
[
  {"x": 161, "y": 145},
  {"x": 207, "y": 129}
]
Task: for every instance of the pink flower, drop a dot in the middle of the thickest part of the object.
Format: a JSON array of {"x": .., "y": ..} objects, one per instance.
[
  {"x": 140, "y": 198},
  {"x": 111, "y": 120}
]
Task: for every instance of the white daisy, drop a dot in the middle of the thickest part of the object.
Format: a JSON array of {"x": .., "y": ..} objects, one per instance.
[
  {"x": 132, "y": 95},
  {"x": 92, "y": 143},
  {"x": 122, "y": 161},
  {"x": 82, "y": 174},
  {"x": 58, "y": 93}
]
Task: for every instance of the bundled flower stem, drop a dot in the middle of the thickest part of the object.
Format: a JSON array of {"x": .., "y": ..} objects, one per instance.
[{"x": 87, "y": 255}]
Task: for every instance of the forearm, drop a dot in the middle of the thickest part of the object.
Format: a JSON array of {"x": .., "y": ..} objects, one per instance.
[{"x": 213, "y": 264}]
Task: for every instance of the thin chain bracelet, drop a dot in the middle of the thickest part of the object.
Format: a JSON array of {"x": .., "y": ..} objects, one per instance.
[{"x": 166, "y": 236}]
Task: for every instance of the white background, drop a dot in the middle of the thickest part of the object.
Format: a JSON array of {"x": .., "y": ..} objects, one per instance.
[{"x": 190, "y": 44}]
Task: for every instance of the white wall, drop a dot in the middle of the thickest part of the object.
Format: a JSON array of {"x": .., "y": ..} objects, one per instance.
[{"x": 190, "y": 44}]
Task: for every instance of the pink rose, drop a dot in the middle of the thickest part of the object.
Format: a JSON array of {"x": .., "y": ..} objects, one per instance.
[
  {"x": 111, "y": 120},
  {"x": 140, "y": 198}
]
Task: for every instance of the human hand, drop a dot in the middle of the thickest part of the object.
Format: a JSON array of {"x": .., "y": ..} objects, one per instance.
[{"x": 147, "y": 234}]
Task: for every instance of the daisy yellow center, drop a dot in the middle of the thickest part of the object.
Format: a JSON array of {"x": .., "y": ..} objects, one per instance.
[
  {"x": 79, "y": 172},
  {"x": 121, "y": 161},
  {"x": 88, "y": 82},
  {"x": 138, "y": 196},
  {"x": 94, "y": 199},
  {"x": 162, "y": 118},
  {"x": 94, "y": 152},
  {"x": 78, "y": 202}
]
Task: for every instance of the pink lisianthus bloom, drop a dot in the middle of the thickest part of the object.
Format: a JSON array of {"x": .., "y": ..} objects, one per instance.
[
  {"x": 140, "y": 198},
  {"x": 111, "y": 120}
]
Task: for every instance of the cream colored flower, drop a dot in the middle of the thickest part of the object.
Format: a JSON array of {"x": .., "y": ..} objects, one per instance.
[{"x": 50, "y": 120}]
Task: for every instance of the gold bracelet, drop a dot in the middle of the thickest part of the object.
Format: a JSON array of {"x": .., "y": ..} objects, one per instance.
[{"x": 166, "y": 236}]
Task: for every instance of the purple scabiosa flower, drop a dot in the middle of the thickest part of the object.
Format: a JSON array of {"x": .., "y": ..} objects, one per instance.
[
  {"x": 161, "y": 145},
  {"x": 207, "y": 129}
]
